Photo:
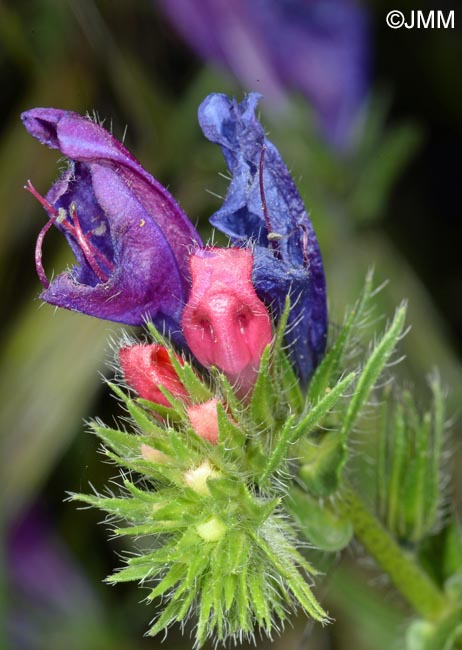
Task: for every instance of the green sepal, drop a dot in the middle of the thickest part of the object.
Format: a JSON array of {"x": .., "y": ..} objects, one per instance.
[
  {"x": 197, "y": 389},
  {"x": 263, "y": 400},
  {"x": 319, "y": 523},
  {"x": 227, "y": 393},
  {"x": 409, "y": 461},
  {"x": 287, "y": 380},
  {"x": 318, "y": 410},
  {"x": 373, "y": 368},
  {"x": 138, "y": 572},
  {"x": 235, "y": 553},
  {"x": 260, "y": 601},
  {"x": 331, "y": 367},
  {"x": 284, "y": 377},
  {"x": 231, "y": 437},
  {"x": 176, "y": 573},
  {"x": 291, "y": 432},
  {"x": 121, "y": 442},
  {"x": 279, "y": 454},
  {"x": 130, "y": 509}
]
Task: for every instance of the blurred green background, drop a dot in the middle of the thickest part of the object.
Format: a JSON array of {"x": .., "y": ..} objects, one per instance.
[{"x": 392, "y": 201}]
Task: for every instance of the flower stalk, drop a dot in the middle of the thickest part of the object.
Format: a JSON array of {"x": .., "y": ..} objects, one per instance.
[{"x": 407, "y": 576}]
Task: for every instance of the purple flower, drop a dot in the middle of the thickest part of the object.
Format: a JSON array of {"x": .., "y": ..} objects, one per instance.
[
  {"x": 318, "y": 48},
  {"x": 264, "y": 206},
  {"x": 130, "y": 238}
]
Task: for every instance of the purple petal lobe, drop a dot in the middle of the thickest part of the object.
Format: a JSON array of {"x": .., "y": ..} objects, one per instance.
[
  {"x": 287, "y": 256},
  {"x": 130, "y": 238}
]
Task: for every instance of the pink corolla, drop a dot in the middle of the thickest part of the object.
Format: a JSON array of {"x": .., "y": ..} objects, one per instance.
[
  {"x": 204, "y": 419},
  {"x": 146, "y": 367},
  {"x": 224, "y": 322}
]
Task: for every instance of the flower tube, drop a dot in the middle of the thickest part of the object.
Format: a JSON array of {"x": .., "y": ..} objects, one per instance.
[{"x": 130, "y": 238}]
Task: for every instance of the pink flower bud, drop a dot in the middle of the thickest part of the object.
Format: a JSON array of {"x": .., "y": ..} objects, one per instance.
[
  {"x": 146, "y": 367},
  {"x": 224, "y": 322},
  {"x": 204, "y": 419}
]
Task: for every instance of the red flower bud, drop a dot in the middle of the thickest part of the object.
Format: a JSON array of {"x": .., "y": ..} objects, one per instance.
[
  {"x": 204, "y": 419},
  {"x": 224, "y": 322},
  {"x": 146, "y": 367}
]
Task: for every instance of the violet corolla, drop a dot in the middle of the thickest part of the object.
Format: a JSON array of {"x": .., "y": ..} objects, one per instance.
[
  {"x": 130, "y": 238},
  {"x": 264, "y": 206},
  {"x": 318, "y": 48}
]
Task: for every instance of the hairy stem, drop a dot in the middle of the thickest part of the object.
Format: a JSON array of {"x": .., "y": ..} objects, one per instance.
[{"x": 408, "y": 577}]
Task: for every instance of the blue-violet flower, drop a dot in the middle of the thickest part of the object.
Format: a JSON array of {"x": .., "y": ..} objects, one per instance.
[
  {"x": 264, "y": 206},
  {"x": 130, "y": 238},
  {"x": 318, "y": 48}
]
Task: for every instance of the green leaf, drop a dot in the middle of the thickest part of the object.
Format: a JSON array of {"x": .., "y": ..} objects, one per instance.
[
  {"x": 373, "y": 368},
  {"x": 398, "y": 462},
  {"x": 319, "y": 410},
  {"x": 321, "y": 526}
]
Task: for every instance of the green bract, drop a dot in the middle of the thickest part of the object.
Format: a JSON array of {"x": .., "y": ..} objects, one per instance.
[{"x": 224, "y": 526}]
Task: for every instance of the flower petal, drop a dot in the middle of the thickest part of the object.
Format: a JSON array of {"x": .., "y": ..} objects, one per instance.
[
  {"x": 287, "y": 255},
  {"x": 140, "y": 237}
]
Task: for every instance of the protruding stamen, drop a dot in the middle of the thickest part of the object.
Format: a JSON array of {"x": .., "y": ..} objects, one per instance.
[
  {"x": 42, "y": 200},
  {"x": 58, "y": 217},
  {"x": 38, "y": 254}
]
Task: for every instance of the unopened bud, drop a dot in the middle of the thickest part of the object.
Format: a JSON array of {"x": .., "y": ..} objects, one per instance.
[
  {"x": 146, "y": 367},
  {"x": 224, "y": 322},
  {"x": 204, "y": 419},
  {"x": 196, "y": 478},
  {"x": 153, "y": 455},
  {"x": 212, "y": 530}
]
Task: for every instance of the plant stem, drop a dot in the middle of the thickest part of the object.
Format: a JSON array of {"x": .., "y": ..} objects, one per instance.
[{"x": 408, "y": 577}]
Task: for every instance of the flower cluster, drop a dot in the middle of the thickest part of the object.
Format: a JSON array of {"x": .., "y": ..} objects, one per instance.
[
  {"x": 139, "y": 257},
  {"x": 240, "y": 420},
  {"x": 215, "y": 393}
]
